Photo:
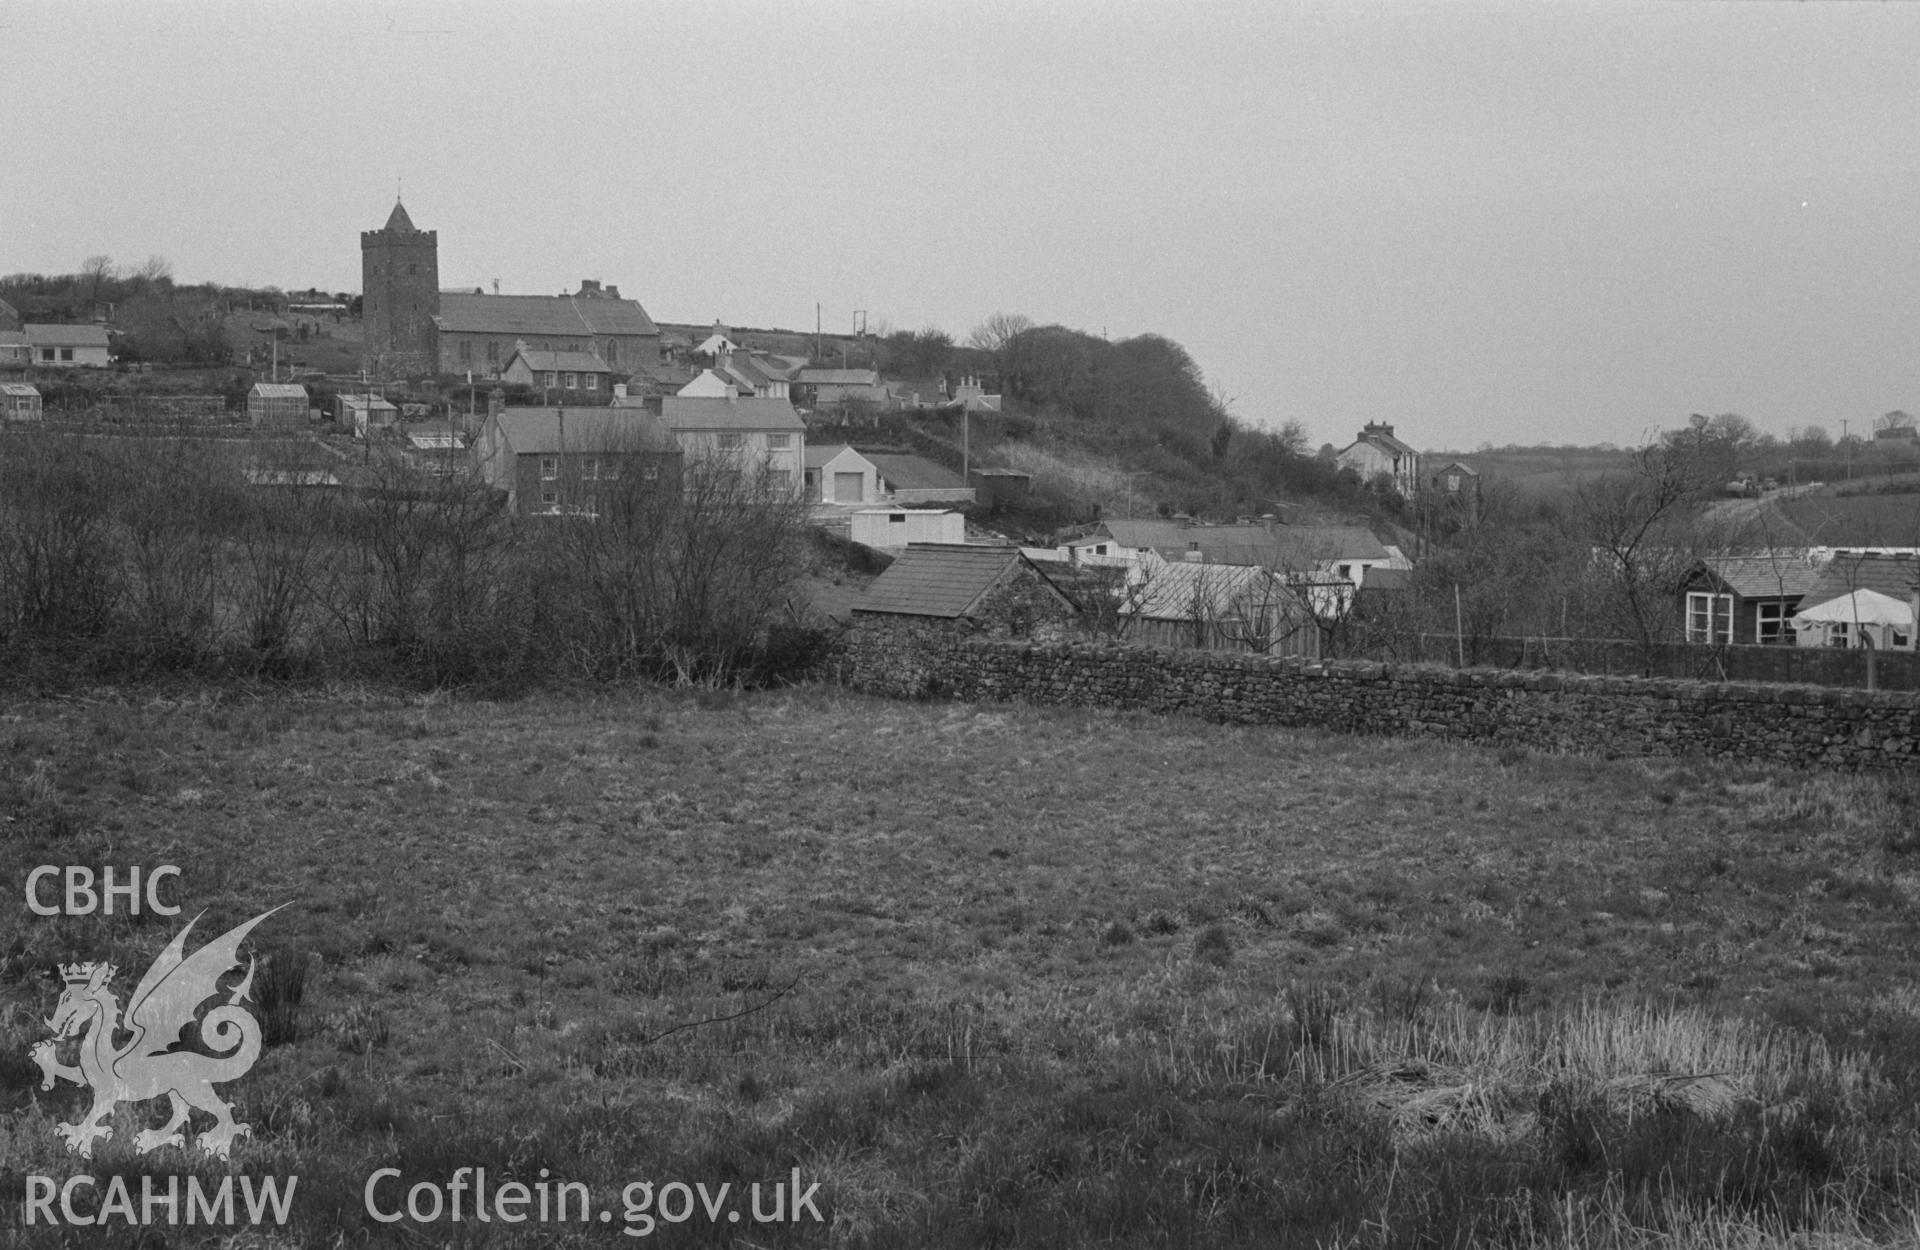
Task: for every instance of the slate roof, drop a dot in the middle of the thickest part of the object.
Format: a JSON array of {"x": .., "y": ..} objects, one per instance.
[
  {"x": 1294, "y": 548},
  {"x": 541, "y": 431},
  {"x": 398, "y": 219},
  {"x": 1893, "y": 575},
  {"x": 699, "y": 412},
  {"x": 1130, "y": 533},
  {"x": 558, "y": 362},
  {"x": 904, "y": 472},
  {"x": 67, "y": 335},
  {"x": 1763, "y": 577},
  {"x": 941, "y": 581},
  {"x": 547, "y": 315}
]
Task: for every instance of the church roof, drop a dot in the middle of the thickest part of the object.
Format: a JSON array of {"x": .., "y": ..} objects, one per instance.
[
  {"x": 524, "y": 316},
  {"x": 398, "y": 219}
]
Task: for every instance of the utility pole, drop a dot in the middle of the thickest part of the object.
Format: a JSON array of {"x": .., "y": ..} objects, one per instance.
[{"x": 1849, "y": 446}]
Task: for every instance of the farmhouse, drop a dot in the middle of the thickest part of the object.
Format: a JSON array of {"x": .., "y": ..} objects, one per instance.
[
  {"x": 554, "y": 461},
  {"x": 990, "y": 591},
  {"x": 278, "y": 405}
]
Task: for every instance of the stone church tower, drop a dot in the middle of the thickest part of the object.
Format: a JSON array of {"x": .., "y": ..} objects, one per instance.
[{"x": 400, "y": 286}]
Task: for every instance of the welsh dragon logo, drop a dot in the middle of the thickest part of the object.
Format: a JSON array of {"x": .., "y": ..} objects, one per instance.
[{"x": 146, "y": 1066}]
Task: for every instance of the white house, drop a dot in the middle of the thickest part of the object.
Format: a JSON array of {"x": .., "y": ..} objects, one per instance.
[
  {"x": 883, "y": 527},
  {"x": 766, "y": 433},
  {"x": 1377, "y": 451},
  {"x": 68, "y": 346}
]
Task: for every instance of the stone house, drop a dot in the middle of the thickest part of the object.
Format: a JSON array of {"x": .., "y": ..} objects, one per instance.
[{"x": 578, "y": 377}]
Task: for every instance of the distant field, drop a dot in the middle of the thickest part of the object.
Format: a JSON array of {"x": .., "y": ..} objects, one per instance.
[
  {"x": 1000, "y": 975},
  {"x": 1873, "y": 520}
]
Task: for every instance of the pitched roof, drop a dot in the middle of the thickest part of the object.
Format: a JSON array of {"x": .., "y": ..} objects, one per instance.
[
  {"x": 536, "y": 431},
  {"x": 67, "y": 335},
  {"x": 839, "y": 377},
  {"x": 1457, "y": 465},
  {"x": 817, "y": 454},
  {"x": 904, "y": 472},
  {"x": 555, "y": 362},
  {"x": 373, "y": 402},
  {"x": 1293, "y": 548},
  {"x": 1763, "y": 577},
  {"x": 1131, "y": 533},
  {"x": 1384, "y": 441},
  {"x": 278, "y": 390},
  {"x": 700, "y": 412},
  {"x": 943, "y": 581},
  {"x": 1180, "y": 592},
  {"x": 398, "y": 219},
  {"x": 931, "y": 392},
  {"x": 522, "y": 315},
  {"x": 20, "y": 390},
  {"x": 1893, "y": 575},
  {"x": 1867, "y": 607}
]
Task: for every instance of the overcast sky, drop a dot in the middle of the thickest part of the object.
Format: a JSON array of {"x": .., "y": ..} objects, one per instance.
[{"x": 1504, "y": 222}]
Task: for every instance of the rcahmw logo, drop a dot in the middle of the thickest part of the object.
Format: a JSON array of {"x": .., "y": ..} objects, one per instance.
[{"x": 147, "y": 1065}]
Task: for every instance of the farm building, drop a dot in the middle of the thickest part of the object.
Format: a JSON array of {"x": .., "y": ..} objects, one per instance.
[
  {"x": 20, "y": 401},
  {"x": 278, "y": 405},
  {"x": 883, "y": 527},
  {"x": 994, "y": 591},
  {"x": 1218, "y": 607}
]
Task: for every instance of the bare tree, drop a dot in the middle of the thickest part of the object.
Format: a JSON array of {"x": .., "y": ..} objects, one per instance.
[
  {"x": 999, "y": 336},
  {"x": 98, "y": 271},
  {"x": 1630, "y": 522}
]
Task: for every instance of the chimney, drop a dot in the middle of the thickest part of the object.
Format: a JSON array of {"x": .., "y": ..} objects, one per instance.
[
  {"x": 496, "y": 402},
  {"x": 613, "y": 292}
]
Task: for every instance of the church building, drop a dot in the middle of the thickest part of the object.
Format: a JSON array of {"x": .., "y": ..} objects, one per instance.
[{"x": 413, "y": 327}]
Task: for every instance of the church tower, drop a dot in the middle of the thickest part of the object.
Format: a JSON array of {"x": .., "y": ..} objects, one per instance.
[{"x": 400, "y": 289}]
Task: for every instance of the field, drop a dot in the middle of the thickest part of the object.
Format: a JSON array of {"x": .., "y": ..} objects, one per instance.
[{"x": 989, "y": 975}]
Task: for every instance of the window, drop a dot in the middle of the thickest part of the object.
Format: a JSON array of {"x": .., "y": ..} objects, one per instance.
[
  {"x": 613, "y": 352},
  {"x": 731, "y": 440},
  {"x": 573, "y": 381},
  {"x": 590, "y": 470},
  {"x": 1769, "y": 622},
  {"x": 46, "y": 353},
  {"x": 650, "y": 474},
  {"x": 1837, "y": 634},
  {"x": 550, "y": 499},
  {"x": 1346, "y": 572},
  {"x": 896, "y": 518},
  {"x": 412, "y": 268},
  {"x": 779, "y": 442},
  {"x": 66, "y": 353},
  {"x": 593, "y": 381},
  {"x": 466, "y": 351},
  {"x": 549, "y": 468},
  {"x": 1709, "y": 617},
  {"x": 1100, "y": 550},
  {"x": 610, "y": 470},
  {"x": 493, "y": 352},
  {"x": 1453, "y": 482},
  {"x": 552, "y": 379}
]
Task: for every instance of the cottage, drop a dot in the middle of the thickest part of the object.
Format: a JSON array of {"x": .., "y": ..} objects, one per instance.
[
  {"x": 579, "y": 377},
  {"x": 68, "y": 346},
  {"x": 560, "y": 461},
  {"x": 993, "y": 591},
  {"x": 1377, "y": 451},
  {"x": 1745, "y": 599},
  {"x": 278, "y": 405},
  {"x": 889, "y": 528},
  {"x": 754, "y": 433},
  {"x": 20, "y": 401}
]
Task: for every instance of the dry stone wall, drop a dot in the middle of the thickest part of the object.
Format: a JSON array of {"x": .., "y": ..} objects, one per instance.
[{"x": 1849, "y": 729}]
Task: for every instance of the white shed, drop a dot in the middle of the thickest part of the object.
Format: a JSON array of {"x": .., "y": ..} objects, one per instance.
[{"x": 882, "y": 527}]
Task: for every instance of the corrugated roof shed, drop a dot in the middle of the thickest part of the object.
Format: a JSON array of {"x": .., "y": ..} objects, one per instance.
[
  {"x": 540, "y": 431},
  {"x": 904, "y": 472},
  {"x": 699, "y": 412},
  {"x": 555, "y": 315},
  {"x": 942, "y": 581}
]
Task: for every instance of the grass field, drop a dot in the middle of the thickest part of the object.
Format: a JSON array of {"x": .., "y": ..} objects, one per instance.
[{"x": 994, "y": 975}]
